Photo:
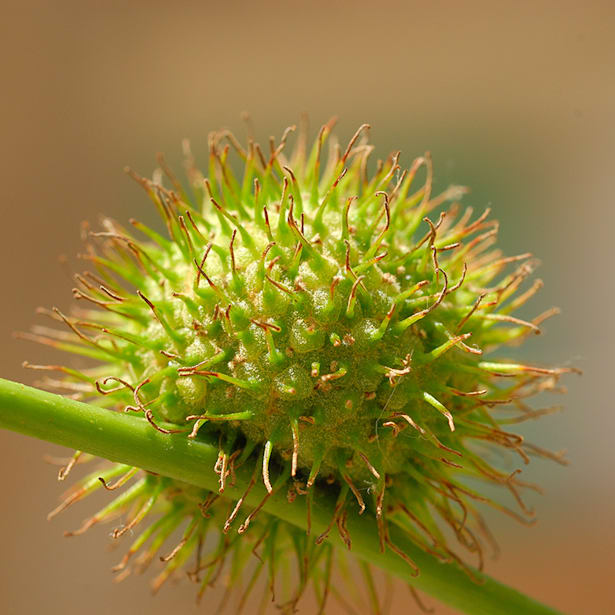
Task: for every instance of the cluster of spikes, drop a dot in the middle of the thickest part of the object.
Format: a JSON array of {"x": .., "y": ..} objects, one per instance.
[{"x": 328, "y": 326}]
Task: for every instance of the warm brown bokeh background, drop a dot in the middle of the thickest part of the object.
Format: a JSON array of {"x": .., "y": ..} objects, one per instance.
[{"x": 514, "y": 99}]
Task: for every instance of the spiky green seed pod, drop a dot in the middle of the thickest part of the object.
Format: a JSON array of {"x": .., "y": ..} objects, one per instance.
[{"x": 331, "y": 328}]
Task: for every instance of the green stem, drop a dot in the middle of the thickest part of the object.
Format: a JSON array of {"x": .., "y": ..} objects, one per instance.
[{"x": 131, "y": 440}]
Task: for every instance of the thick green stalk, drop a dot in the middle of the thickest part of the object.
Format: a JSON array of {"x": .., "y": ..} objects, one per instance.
[{"x": 131, "y": 440}]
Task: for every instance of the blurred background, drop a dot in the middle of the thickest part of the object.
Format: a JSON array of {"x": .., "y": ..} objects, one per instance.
[{"x": 515, "y": 100}]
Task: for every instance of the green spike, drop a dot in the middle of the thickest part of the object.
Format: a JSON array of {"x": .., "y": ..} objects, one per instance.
[
  {"x": 432, "y": 401},
  {"x": 173, "y": 335},
  {"x": 440, "y": 350},
  {"x": 266, "y": 457},
  {"x": 379, "y": 333},
  {"x": 345, "y": 231},
  {"x": 375, "y": 246},
  {"x": 318, "y": 224},
  {"x": 119, "y": 503},
  {"x": 319, "y": 455},
  {"x": 296, "y": 191},
  {"x": 162, "y": 536},
  {"x": 165, "y": 244},
  {"x": 224, "y": 215},
  {"x": 313, "y": 165}
]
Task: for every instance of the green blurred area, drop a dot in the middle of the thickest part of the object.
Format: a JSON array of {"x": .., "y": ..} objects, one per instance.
[{"x": 514, "y": 100}]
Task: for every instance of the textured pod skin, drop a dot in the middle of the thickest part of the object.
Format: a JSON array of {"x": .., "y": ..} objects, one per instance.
[{"x": 329, "y": 327}]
